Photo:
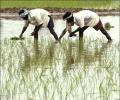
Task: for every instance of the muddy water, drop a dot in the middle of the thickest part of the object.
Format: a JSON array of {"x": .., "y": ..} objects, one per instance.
[
  {"x": 9, "y": 29},
  {"x": 86, "y": 69}
]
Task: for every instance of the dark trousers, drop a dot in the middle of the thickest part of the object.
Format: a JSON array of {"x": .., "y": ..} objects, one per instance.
[
  {"x": 99, "y": 26},
  {"x": 51, "y": 28},
  {"x": 81, "y": 30}
]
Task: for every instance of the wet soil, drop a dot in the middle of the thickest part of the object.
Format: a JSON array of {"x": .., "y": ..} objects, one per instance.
[
  {"x": 56, "y": 10},
  {"x": 11, "y": 13}
]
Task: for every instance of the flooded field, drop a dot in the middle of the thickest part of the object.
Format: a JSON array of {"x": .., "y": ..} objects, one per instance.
[{"x": 86, "y": 69}]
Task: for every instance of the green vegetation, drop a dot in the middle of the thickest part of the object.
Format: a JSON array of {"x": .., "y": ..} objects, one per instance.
[
  {"x": 73, "y": 70},
  {"x": 108, "y": 26},
  {"x": 85, "y": 69},
  {"x": 60, "y": 3}
]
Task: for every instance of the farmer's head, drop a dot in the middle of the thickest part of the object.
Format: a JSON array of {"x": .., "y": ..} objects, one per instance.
[
  {"x": 23, "y": 13},
  {"x": 69, "y": 17}
]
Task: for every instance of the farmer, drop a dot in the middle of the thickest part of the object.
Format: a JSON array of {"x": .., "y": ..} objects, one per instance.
[
  {"x": 39, "y": 18},
  {"x": 83, "y": 19}
]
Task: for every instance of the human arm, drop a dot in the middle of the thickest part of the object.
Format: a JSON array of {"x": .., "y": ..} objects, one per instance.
[
  {"x": 75, "y": 30},
  {"x": 39, "y": 23},
  {"x": 80, "y": 23},
  {"x": 68, "y": 28},
  {"x": 24, "y": 29},
  {"x": 73, "y": 33},
  {"x": 36, "y": 29},
  {"x": 62, "y": 34}
]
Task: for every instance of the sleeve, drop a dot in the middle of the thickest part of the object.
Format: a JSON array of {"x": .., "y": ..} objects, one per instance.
[
  {"x": 26, "y": 23},
  {"x": 38, "y": 20},
  {"x": 80, "y": 21}
]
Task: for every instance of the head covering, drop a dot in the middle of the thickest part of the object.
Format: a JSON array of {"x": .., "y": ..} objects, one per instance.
[
  {"x": 67, "y": 15},
  {"x": 23, "y": 12}
]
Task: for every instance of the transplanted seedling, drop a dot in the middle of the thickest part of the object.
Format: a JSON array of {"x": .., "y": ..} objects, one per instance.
[
  {"x": 108, "y": 26},
  {"x": 17, "y": 38}
]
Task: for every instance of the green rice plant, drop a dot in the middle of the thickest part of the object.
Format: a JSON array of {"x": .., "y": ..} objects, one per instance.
[{"x": 73, "y": 69}]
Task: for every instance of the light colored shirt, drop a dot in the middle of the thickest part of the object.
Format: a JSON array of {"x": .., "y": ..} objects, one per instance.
[
  {"x": 37, "y": 17},
  {"x": 86, "y": 18}
]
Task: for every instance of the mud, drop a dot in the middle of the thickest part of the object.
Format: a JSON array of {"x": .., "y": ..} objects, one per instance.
[
  {"x": 11, "y": 13},
  {"x": 9, "y": 29},
  {"x": 56, "y": 10}
]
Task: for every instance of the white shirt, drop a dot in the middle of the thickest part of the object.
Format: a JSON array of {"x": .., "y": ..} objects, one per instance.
[
  {"x": 37, "y": 17},
  {"x": 86, "y": 18}
]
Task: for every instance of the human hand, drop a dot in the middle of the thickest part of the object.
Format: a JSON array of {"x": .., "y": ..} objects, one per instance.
[
  {"x": 32, "y": 33},
  {"x": 57, "y": 41},
  {"x": 20, "y": 36},
  {"x": 72, "y": 34}
]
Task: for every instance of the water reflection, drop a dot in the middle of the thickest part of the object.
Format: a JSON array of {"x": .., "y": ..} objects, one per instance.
[
  {"x": 88, "y": 70},
  {"x": 25, "y": 65},
  {"x": 77, "y": 53},
  {"x": 76, "y": 70},
  {"x": 38, "y": 56},
  {"x": 59, "y": 26}
]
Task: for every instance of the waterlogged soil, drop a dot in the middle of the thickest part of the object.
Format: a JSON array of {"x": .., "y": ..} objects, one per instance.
[
  {"x": 9, "y": 29},
  {"x": 12, "y": 13},
  {"x": 55, "y": 10},
  {"x": 73, "y": 70}
]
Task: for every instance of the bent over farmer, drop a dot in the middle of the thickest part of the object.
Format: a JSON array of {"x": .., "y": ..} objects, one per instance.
[
  {"x": 83, "y": 19},
  {"x": 39, "y": 18}
]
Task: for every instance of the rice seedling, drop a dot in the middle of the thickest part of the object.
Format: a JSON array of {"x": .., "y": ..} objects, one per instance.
[{"x": 84, "y": 69}]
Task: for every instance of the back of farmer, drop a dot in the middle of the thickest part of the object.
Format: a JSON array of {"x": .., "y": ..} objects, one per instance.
[
  {"x": 38, "y": 17},
  {"x": 86, "y": 18},
  {"x": 83, "y": 19}
]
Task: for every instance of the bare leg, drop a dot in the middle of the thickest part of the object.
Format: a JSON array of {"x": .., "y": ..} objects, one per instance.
[
  {"x": 105, "y": 33},
  {"x": 36, "y": 36},
  {"x": 51, "y": 26},
  {"x": 81, "y": 30},
  {"x": 53, "y": 33},
  {"x": 80, "y": 34},
  {"x": 35, "y": 32}
]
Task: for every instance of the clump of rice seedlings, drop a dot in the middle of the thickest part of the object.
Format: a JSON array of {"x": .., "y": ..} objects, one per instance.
[
  {"x": 108, "y": 26},
  {"x": 17, "y": 38},
  {"x": 69, "y": 59}
]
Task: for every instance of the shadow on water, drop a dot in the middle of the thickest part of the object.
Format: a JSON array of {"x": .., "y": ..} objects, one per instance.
[
  {"x": 76, "y": 54},
  {"x": 49, "y": 54},
  {"x": 39, "y": 56},
  {"x": 76, "y": 70},
  {"x": 25, "y": 65},
  {"x": 82, "y": 61}
]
